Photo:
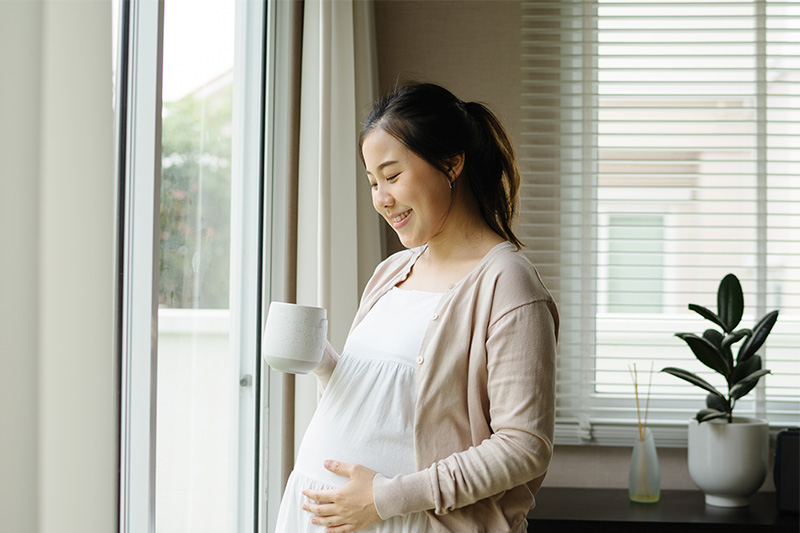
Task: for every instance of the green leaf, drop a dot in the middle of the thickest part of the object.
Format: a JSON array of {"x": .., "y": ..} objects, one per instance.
[
  {"x": 707, "y": 353},
  {"x": 725, "y": 347},
  {"x": 708, "y": 315},
  {"x": 693, "y": 379},
  {"x": 709, "y": 414},
  {"x": 745, "y": 368},
  {"x": 714, "y": 337},
  {"x": 717, "y": 403},
  {"x": 733, "y": 338},
  {"x": 760, "y": 333},
  {"x": 745, "y": 390},
  {"x": 746, "y": 385},
  {"x": 730, "y": 302}
]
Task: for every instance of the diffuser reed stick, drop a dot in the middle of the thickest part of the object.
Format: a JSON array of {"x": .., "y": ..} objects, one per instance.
[
  {"x": 647, "y": 402},
  {"x": 635, "y": 377}
]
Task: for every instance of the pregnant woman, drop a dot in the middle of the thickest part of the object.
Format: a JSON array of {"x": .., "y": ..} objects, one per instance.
[{"x": 438, "y": 416}]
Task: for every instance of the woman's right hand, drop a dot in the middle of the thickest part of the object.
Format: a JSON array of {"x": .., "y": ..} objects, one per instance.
[{"x": 348, "y": 508}]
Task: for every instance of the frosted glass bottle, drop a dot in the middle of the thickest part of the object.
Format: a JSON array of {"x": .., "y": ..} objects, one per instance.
[{"x": 644, "y": 476}]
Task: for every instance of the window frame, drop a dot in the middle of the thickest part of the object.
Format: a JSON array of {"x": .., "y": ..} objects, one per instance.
[{"x": 138, "y": 131}]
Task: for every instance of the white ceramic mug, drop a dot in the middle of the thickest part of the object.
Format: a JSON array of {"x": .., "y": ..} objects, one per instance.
[{"x": 294, "y": 337}]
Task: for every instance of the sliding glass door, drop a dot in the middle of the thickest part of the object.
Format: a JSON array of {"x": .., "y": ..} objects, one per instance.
[
  {"x": 197, "y": 442},
  {"x": 190, "y": 99}
]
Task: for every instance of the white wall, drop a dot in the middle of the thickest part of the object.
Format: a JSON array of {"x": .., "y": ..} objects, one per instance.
[{"x": 58, "y": 442}]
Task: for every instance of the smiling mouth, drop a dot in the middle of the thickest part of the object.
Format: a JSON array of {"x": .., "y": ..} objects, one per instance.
[{"x": 401, "y": 216}]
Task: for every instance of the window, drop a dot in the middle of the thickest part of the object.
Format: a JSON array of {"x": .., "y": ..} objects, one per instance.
[
  {"x": 191, "y": 160},
  {"x": 635, "y": 262},
  {"x": 197, "y": 453},
  {"x": 661, "y": 151}
]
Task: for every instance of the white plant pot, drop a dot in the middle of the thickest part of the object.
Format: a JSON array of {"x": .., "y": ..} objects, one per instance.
[{"x": 728, "y": 462}]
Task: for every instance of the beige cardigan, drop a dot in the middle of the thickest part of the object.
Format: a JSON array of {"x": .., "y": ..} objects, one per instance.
[{"x": 484, "y": 415}]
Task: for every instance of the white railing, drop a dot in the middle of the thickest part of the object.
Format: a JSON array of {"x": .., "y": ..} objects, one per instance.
[{"x": 197, "y": 423}]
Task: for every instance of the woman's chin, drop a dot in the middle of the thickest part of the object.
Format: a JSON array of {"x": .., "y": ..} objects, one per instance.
[{"x": 407, "y": 241}]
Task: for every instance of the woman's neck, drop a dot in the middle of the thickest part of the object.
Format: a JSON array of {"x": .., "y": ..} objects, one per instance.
[
  {"x": 465, "y": 234},
  {"x": 450, "y": 257},
  {"x": 463, "y": 243}
]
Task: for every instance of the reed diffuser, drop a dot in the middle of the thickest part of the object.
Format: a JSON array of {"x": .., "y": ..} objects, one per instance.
[{"x": 644, "y": 476}]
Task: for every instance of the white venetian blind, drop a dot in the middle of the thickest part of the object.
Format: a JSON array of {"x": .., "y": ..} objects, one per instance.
[{"x": 661, "y": 151}]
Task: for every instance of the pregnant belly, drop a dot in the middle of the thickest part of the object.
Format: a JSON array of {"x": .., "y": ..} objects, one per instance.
[{"x": 365, "y": 417}]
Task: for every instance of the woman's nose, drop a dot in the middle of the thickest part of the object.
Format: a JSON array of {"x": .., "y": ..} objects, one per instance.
[{"x": 382, "y": 198}]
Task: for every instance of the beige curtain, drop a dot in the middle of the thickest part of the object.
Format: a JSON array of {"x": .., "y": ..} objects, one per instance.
[{"x": 337, "y": 235}]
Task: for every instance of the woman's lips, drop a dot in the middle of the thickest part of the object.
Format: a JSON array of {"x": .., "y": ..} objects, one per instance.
[{"x": 398, "y": 221}]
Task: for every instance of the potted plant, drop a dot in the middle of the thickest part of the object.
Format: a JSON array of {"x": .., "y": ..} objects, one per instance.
[{"x": 727, "y": 455}]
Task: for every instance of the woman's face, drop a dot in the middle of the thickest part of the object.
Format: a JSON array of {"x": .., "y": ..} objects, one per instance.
[{"x": 412, "y": 195}]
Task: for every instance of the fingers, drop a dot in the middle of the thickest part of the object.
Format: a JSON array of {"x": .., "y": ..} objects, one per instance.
[
  {"x": 340, "y": 529},
  {"x": 325, "y": 515},
  {"x": 342, "y": 469},
  {"x": 347, "y": 508},
  {"x": 332, "y": 523},
  {"x": 320, "y": 509},
  {"x": 321, "y": 496}
]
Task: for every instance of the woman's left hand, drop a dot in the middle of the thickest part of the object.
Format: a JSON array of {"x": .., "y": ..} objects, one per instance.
[{"x": 348, "y": 508}]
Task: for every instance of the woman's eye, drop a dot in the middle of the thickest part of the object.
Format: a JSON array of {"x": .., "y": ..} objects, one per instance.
[{"x": 374, "y": 185}]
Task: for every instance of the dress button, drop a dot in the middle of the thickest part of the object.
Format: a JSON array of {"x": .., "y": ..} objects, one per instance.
[
  {"x": 435, "y": 316},
  {"x": 451, "y": 286},
  {"x": 420, "y": 360}
]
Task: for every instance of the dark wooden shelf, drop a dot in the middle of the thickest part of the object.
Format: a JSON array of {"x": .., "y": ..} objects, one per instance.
[{"x": 684, "y": 511}]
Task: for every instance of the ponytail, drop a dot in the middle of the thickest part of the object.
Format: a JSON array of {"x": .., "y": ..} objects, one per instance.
[
  {"x": 431, "y": 122},
  {"x": 497, "y": 177}
]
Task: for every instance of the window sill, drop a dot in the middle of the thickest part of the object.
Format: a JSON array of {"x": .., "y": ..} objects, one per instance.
[{"x": 610, "y": 510}]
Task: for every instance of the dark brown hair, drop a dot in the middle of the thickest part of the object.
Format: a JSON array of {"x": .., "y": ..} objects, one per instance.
[{"x": 431, "y": 122}]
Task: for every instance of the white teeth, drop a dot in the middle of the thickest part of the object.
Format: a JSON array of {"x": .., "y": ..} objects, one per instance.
[{"x": 401, "y": 216}]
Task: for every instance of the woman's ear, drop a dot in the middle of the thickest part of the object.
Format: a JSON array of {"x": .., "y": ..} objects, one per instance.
[{"x": 455, "y": 165}]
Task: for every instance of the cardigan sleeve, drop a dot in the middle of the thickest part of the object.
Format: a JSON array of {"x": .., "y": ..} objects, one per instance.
[{"x": 520, "y": 351}]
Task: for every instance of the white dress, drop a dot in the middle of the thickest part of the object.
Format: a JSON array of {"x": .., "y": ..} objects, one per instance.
[{"x": 366, "y": 413}]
